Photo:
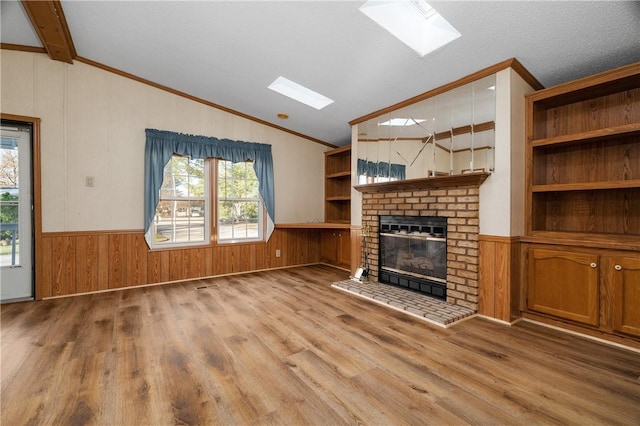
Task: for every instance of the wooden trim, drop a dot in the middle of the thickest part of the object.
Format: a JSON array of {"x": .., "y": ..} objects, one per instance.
[
  {"x": 470, "y": 179},
  {"x": 36, "y": 164},
  {"x": 526, "y": 75},
  {"x": 586, "y": 83},
  {"x": 480, "y": 148},
  {"x": 462, "y": 130},
  {"x": 393, "y": 139},
  {"x": 509, "y": 63},
  {"x": 356, "y": 248},
  {"x": 55, "y": 234},
  {"x": 615, "y": 242},
  {"x": 499, "y": 239},
  {"x": 48, "y": 21},
  {"x": 22, "y": 48},
  {"x": 198, "y": 100},
  {"x": 579, "y": 330}
]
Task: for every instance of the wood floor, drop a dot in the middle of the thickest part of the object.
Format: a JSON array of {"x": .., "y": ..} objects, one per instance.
[{"x": 283, "y": 347}]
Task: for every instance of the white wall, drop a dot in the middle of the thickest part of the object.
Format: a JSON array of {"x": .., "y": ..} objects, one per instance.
[
  {"x": 356, "y": 196},
  {"x": 93, "y": 122},
  {"x": 518, "y": 147},
  {"x": 502, "y": 194}
]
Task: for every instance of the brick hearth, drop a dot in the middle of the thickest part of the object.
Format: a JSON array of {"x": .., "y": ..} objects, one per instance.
[{"x": 460, "y": 205}]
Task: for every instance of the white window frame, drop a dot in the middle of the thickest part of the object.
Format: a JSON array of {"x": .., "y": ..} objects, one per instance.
[
  {"x": 219, "y": 200},
  {"x": 364, "y": 179},
  {"x": 207, "y": 214}
]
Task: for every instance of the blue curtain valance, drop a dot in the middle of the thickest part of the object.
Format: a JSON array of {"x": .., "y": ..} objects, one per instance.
[
  {"x": 161, "y": 145},
  {"x": 381, "y": 169}
]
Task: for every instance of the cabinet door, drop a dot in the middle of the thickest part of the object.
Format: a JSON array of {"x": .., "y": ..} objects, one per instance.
[
  {"x": 564, "y": 284},
  {"x": 625, "y": 285}
]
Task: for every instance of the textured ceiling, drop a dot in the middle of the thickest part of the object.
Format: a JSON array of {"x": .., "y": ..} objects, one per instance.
[{"x": 227, "y": 52}]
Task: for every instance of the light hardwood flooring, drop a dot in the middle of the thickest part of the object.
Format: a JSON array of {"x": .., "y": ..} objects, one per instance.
[{"x": 283, "y": 347}]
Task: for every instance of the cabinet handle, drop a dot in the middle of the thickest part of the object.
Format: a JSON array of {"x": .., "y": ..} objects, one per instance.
[
  {"x": 593, "y": 265},
  {"x": 618, "y": 268}
]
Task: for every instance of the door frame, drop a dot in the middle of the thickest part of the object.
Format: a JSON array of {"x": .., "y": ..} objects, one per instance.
[{"x": 36, "y": 226}]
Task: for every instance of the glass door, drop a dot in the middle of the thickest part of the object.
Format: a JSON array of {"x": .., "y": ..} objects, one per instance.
[{"x": 16, "y": 257}]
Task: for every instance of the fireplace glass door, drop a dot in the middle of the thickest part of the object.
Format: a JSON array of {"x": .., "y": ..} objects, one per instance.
[{"x": 413, "y": 253}]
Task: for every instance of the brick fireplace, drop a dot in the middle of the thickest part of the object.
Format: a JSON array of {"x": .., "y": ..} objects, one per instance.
[{"x": 453, "y": 197}]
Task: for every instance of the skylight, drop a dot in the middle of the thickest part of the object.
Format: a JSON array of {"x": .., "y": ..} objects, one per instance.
[
  {"x": 299, "y": 93},
  {"x": 414, "y": 22},
  {"x": 401, "y": 122}
]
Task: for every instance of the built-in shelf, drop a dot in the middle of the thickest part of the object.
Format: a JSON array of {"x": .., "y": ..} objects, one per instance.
[
  {"x": 585, "y": 239},
  {"x": 344, "y": 174},
  {"x": 592, "y": 135},
  {"x": 337, "y": 185},
  {"x": 614, "y": 184},
  {"x": 469, "y": 179}
]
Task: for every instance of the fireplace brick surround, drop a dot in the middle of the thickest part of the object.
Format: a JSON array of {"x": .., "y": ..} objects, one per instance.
[{"x": 460, "y": 205}]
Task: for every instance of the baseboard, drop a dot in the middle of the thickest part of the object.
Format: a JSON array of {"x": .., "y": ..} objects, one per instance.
[
  {"x": 586, "y": 336},
  {"x": 499, "y": 321},
  {"x": 182, "y": 281}
]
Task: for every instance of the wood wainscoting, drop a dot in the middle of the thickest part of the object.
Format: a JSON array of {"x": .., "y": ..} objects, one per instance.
[
  {"x": 356, "y": 248},
  {"x": 499, "y": 277},
  {"x": 90, "y": 261}
]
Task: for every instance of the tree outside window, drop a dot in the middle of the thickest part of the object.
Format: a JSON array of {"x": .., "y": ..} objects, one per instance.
[
  {"x": 8, "y": 191},
  {"x": 182, "y": 214},
  {"x": 239, "y": 204}
]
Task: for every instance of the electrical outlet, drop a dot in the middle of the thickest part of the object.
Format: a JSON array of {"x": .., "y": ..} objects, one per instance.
[
  {"x": 89, "y": 181},
  {"x": 277, "y": 253}
]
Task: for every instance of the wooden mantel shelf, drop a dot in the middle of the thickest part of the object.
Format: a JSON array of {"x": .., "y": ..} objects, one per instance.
[{"x": 469, "y": 179}]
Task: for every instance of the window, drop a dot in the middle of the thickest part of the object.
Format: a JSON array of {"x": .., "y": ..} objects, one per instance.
[
  {"x": 364, "y": 179},
  {"x": 159, "y": 149},
  {"x": 239, "y": 204},
  {"x": 182, "y": 214}
]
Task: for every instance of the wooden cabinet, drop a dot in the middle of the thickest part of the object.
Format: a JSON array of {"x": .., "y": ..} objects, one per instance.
[
  {"x": 624, "y": 275},
  {"x": 335, "y": 247},
  {"x": 582, "y": 242},
  {"x": 564, "y": 284},
  {"x": 337, "y": 186},
  {"x": 596, "y": 288}
]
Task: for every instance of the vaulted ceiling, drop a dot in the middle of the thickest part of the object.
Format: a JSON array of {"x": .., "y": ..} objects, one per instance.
[{"x": 228, "y": 52}]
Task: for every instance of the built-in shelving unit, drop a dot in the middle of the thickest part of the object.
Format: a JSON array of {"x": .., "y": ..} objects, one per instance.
[
  {"x": 583, "y": 202},
  {"x": 337, "y": 187},
  {"x": 584, "y": 156}
]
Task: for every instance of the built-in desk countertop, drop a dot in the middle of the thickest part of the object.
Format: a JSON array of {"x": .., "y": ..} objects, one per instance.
[{"x": 313, "y": 225}]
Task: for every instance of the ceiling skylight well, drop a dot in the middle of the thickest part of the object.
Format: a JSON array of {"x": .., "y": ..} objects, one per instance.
[
  {"x": 299, "y": 93},
  {"x": 414, "y": 22}
]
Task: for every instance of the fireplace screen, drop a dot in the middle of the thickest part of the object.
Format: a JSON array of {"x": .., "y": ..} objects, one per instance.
[{"x": 413, "y": 253}]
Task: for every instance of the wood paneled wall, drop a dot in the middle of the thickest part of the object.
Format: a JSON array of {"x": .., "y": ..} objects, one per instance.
[
  {"x": 356, "y": 248},
  {"x": 80, "y": 262},
  {"x": 499, "y": 279}
]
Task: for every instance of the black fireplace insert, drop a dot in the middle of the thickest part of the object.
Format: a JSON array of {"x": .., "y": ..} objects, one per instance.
[{"x": 413, "y": 253}]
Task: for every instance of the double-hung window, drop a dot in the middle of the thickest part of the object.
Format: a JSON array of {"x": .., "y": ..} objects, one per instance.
[
  {"x": 240, "y": 209},
  {"x": 191, "y": 201},
  {"x": 182, "y": 215}
]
